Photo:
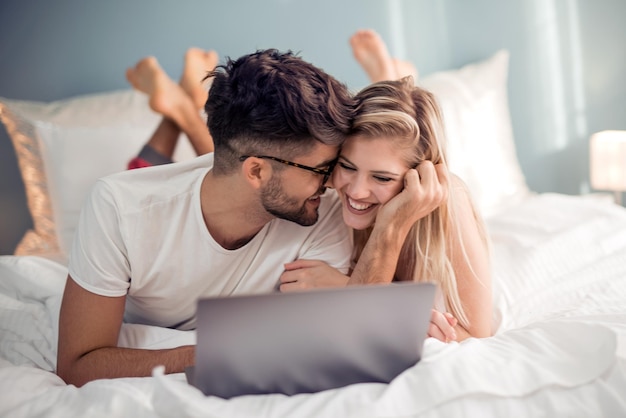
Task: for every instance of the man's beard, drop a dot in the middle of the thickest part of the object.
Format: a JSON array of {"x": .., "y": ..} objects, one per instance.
[{"x": 276, "y": 202}]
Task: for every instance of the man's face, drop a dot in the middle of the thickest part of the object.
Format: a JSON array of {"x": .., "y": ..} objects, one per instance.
[{"x": 293, "y": 193}]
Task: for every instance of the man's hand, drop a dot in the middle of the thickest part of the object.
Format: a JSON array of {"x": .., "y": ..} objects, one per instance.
[{"x": 310, "y": 274}]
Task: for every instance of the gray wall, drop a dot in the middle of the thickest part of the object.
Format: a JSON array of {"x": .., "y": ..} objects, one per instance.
[{"x": 568, "y": 58}]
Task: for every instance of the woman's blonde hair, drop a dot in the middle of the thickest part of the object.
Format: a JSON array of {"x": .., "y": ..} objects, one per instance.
[{"x": 410, "y": 117}]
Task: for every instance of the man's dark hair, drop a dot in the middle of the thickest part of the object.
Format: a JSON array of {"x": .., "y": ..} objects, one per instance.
[{"x": 272, "y": 102}]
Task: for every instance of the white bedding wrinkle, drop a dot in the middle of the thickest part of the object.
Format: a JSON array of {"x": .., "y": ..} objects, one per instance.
[
  {"x": 559, "y": 289},
  {"x": 514, "y": 364},
  {"x": 546, "y": 272},
  {"x": 30, "y": 298},
  {"x": 26, "y": 335}
]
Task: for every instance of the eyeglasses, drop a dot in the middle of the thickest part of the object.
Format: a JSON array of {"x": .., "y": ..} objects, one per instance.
[{"x": 324, "y": 172}]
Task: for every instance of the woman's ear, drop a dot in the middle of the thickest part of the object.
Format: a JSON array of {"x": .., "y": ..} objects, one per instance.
[{"x": 256, "y": 171}]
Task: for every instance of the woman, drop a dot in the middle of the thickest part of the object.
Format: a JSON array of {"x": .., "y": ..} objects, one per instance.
[{"x": 411, "y": 219}]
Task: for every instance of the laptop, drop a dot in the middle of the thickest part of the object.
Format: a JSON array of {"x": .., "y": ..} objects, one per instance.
[{"x": 309, "y": 341}]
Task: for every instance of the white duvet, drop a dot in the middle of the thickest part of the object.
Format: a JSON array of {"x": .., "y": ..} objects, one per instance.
[{"x": 560, "y": 349}]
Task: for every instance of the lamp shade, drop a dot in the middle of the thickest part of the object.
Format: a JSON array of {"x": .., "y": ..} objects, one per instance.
[{"x": 608, "y": 160}]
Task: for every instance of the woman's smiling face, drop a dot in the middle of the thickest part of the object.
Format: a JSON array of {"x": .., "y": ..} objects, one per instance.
[{"x": 368, "y": 174}]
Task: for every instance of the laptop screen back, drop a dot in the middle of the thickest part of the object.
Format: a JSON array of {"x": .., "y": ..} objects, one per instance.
[{"x": 309, "y": 341}]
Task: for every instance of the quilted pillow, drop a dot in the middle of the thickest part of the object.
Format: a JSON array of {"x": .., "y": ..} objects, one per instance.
[{"x": 62, "y": 147}]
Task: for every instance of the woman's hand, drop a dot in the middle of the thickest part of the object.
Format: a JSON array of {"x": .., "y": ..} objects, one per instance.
[
  {"x": 442, "y": 326},
  {"x": 310, "y": 274},
  {"x": 425, "y": 189}
]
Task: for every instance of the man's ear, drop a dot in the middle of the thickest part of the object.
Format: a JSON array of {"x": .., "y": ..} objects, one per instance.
[{"x": 256, "y": 171}]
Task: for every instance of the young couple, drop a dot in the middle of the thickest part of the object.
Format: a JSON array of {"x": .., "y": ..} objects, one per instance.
[{"x": 251, "y": 213}]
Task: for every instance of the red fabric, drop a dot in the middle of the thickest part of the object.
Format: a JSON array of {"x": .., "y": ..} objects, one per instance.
[{"x": 138, "y": 163}]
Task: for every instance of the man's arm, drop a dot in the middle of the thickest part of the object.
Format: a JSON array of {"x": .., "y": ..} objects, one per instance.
[{"x": 89, "y": 327}]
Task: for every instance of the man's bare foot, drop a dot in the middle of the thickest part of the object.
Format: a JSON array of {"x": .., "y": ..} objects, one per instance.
[
  {"x": 198, "y": 63},
  {"x": 371, "y": 52},
  {"x": 166, "y": 97},
  {"x": 405, "y": 68}
]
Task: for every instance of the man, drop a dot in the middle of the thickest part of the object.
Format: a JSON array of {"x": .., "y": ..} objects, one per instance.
[{"x": 151, "y": 241}]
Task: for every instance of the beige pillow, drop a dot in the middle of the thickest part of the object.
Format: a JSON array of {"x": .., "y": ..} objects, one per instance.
[{"x": 62, "y": 147}]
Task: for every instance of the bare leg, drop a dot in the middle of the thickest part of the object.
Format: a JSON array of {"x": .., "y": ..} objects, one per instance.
[
  {"x": 176, "y": 106},
  {"x": 164, "y": 138},
  {"x": 198, "y": 63},
  {"x": 404, "y": 69},
  {"x": 371, "y": 52}
]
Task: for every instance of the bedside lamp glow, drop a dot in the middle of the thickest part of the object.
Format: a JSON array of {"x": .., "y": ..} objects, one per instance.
[{"x": 608, "y": 162}]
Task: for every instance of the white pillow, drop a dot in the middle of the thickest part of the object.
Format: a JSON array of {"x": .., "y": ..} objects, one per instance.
[
  {"x": 480, "y": 143},
  {"x": 62, "y": 147}
]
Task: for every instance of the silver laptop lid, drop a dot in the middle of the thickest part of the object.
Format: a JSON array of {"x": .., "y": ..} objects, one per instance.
[{"x": 309, "y": 341}]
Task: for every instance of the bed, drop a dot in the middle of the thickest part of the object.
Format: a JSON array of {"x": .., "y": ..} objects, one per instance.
[{"x": 559, "y": 274}]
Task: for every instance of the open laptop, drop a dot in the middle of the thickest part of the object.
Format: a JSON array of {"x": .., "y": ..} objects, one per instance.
[{"x": 309, "y": 341}]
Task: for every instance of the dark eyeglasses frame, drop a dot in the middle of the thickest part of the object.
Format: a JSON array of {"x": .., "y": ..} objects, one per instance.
[{"x": 325, "y": 173}]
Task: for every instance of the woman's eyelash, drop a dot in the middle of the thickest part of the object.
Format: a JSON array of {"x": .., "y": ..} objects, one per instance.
[
  {"x": 345, "y": 166},
  {"x": 382, "y": 179},
  {"x": 350, "y": 168}
]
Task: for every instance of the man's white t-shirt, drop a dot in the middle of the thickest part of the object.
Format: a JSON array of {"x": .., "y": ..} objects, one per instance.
[{"x": 141, "y": 233}]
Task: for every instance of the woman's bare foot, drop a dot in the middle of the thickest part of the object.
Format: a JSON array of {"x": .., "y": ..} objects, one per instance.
[
  {"x": 198, "y": 63},
  {"x": 371, "y": 52},
  {"x": 179, "y": 111},
  {"x": 166, "y": 97}
]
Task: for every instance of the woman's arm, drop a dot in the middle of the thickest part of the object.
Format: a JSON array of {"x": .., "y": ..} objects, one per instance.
[
  {"x": 425, "y": 189},
  {"x": 471, "y": 264}
]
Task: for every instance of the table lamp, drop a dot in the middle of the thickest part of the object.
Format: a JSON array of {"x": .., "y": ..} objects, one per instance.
[{"x": 608, "y": 162}]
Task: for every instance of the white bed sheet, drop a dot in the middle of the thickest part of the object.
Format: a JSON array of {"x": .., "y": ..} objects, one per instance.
[{"x": 560, "y": 349}]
